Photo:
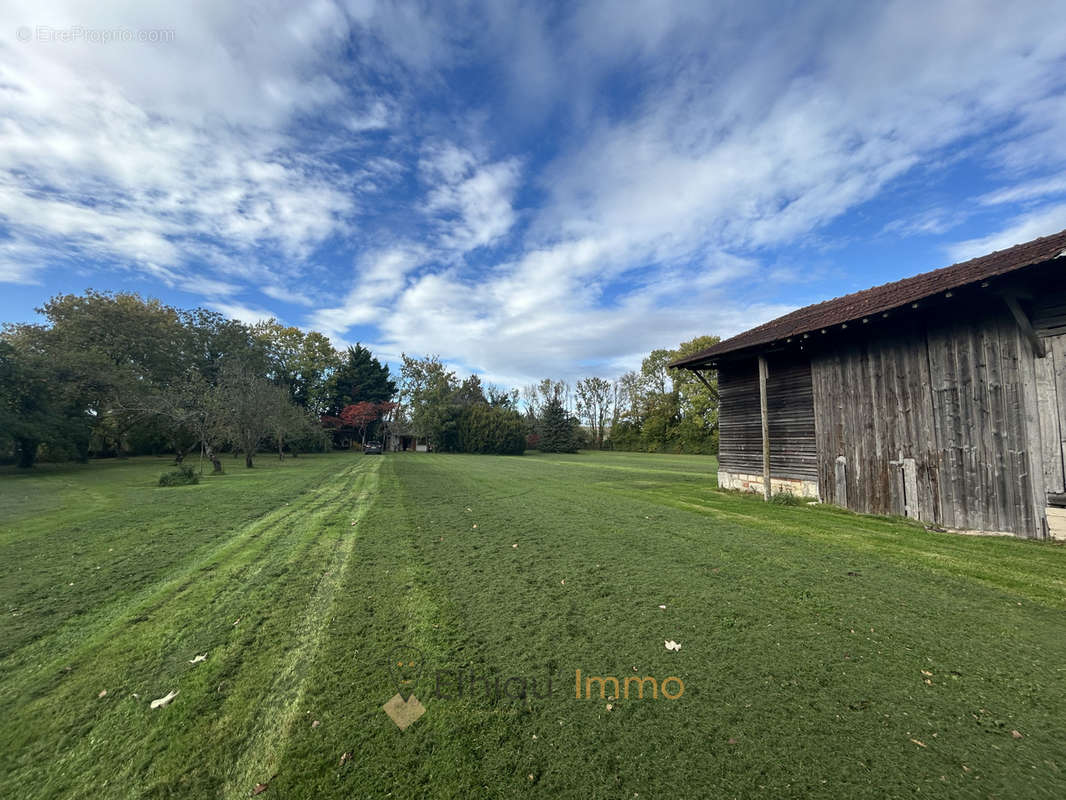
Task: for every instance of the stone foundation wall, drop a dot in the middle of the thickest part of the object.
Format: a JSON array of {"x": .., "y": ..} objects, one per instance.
[{"x": 753, "y": 483}]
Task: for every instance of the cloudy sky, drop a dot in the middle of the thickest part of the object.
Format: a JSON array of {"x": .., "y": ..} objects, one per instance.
[{"x": 527, "y": 189}]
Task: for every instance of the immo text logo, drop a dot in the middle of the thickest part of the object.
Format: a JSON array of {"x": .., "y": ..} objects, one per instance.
[{"x": 407, "y": 665}]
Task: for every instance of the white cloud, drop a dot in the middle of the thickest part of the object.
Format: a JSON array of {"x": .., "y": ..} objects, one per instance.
[
  {"x": 1028, "y": 190},
  {"x": 615, "y": 186},
  {"x": 241, "y": 312},
  {"x": 1041, "y": 222}
]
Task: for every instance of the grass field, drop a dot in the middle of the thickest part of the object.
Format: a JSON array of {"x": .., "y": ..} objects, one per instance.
[{"x": 822, "y": 654}]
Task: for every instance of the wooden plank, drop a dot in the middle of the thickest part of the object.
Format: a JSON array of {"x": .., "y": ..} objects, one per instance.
[
  {"x": 910, "y": 488},
  {"x": 1050, "y": 426},
  {"x": 1025, "y": 326},
  {"x": 1030, "y": 517},
  {"x": 840, "y": 496},
  {"x": 765, "y": 428}
]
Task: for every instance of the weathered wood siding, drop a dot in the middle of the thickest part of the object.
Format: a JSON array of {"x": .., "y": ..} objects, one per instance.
[
  {"x": 790, "y": 405},
  {"x": 1051, "y": 404},
  {"x": 940, "y": 422}
]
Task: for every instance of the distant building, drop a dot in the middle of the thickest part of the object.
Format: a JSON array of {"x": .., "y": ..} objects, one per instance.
[{"x": 941, "y": 397}]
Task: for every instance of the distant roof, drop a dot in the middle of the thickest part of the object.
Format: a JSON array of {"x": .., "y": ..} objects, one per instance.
[{"x": 886, "y": 297}]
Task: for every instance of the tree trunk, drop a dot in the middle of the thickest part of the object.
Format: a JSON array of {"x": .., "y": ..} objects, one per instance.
[
  {"x": 27, "y": 450},
  {"x": 248, "y": 460},
  {"x": 281, "y": 454},
  {"x": 215, "y": 463}
]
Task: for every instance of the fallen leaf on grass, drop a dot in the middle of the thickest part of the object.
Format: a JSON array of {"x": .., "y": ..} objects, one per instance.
[
  {"x": 346, "y": 758},
  {"x": 235, "y": 623},
  {"x": 198, "y": 659},
  {"x": 1016, "y": 734},
  {"x": 673, "y": 646},
  {"x": 732, "y": 740},
  {"x": 514, "y": 545},
  {"x": 164, "y": 701},
  {"x": 663, "y": 608},
  {"x": 610, "y": 706},
  {"x": 927, "y": 673},
  {"x": 315, "y": 724},
  {"x": 103, "y": 693},
  {"x": 259, "y": 788},
  {"x": 920, "y": 744}
]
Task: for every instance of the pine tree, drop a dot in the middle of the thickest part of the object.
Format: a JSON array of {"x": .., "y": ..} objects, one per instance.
[{"x": 557, "y": 429}]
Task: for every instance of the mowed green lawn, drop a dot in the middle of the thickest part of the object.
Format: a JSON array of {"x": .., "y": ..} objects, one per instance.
[{"x": 823, "y": 654}]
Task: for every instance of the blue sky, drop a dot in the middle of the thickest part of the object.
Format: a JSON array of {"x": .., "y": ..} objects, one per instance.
[{"x": 527, "y": 189}]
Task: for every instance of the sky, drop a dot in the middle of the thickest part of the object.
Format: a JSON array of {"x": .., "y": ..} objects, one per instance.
[{"x": 525, "y": 189}]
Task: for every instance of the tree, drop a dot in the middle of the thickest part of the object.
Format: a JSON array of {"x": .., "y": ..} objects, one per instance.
[
  {"x": 303, "y": 363},
  {"x": 556, "y": 428},
  {"x": 360, "y": 416},
  {"x": 594, "y": 405},
  {"x": 360, "y": 377},
  {"x": 246, "y": 398},
  {"x": 284, "y": 418},
  {"x": 36, "y": 406},
  {"x": 428, "y": 388}
]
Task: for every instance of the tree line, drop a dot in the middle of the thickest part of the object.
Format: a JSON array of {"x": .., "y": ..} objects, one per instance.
[
  {"x": 114, "y": 374},
  {"x": 653, "y": 409},
  {"x": 110, "y": 374}
]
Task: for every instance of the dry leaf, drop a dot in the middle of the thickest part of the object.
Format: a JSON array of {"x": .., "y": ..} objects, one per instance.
[
  {"x": 927, "y": 673},
  {"x": 235, "y": 623},
  {"x": 920, "y": 744},
  {"x": 315, "y": 724},
  {"x": 673, "y": 646},
  {"x": 103, "y": 693},
  {"x": 198, "y": 659},
  {"x": 928, "y": 681},
  {"x": 1015, "y": 734},
  {"x": 164, "y": 701},
  {"x": 663, "y": 607},
  {"x": 732, "y": 740},
  {"x": 259, "y": 788},
  {"x": 475, "y": 526},
  {"x": 514, "y": 545},
  {"x": 610, "y": 706},
  {"x": 346, "y": 758}
]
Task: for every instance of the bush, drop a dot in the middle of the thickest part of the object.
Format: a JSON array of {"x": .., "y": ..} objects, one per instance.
[
  {"x": 185, "y": 476},
  {"x": 786, "y": 499}
]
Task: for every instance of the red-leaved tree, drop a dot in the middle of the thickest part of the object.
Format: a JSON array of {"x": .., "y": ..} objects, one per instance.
[{"x": 360, "y": 416}]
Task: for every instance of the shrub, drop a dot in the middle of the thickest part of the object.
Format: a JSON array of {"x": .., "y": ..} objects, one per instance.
[
  {"x": 185, "y": 476},
  {"x": 786, "y": 499}
]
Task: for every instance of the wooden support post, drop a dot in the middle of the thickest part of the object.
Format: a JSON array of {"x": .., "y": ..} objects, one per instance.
[
  {"x": 704, "y": 381},
  {"x": 1026, "y": 326},
  {"x": 765, "y": 429}
]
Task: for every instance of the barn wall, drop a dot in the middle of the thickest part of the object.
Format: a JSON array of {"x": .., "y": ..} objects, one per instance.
[
  {"x": 941, "y": 423},
  {"x": 790, "y": 403}
]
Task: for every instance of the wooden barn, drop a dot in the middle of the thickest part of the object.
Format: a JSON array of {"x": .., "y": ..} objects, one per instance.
[{"x": 940, "y": 397}]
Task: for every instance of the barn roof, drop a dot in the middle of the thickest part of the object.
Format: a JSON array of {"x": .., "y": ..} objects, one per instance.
[{"x": 884, "y": 298}]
